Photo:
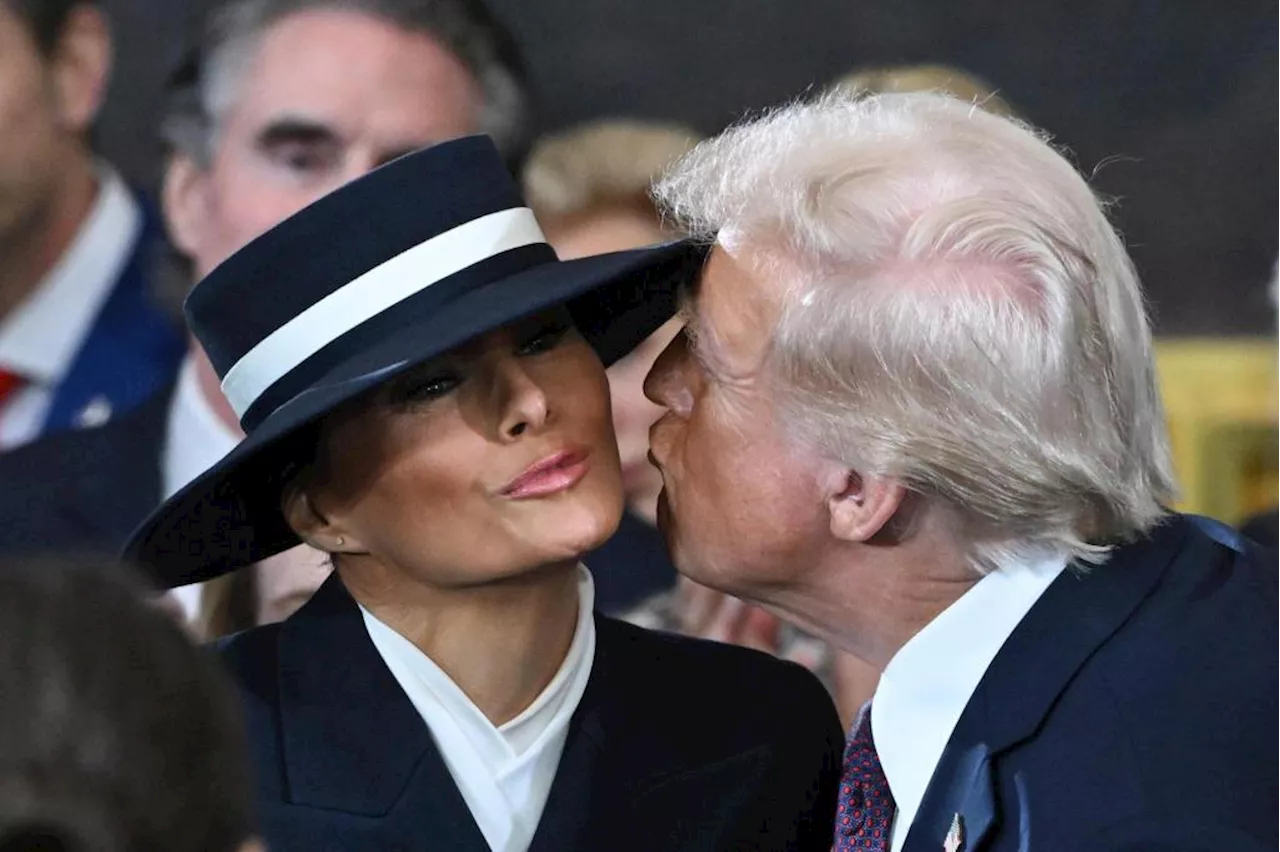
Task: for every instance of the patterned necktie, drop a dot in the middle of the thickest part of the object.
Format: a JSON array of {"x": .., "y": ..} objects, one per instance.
[
  {"x": 865, "y": 808},
  {"x": 9, "y": 385}
]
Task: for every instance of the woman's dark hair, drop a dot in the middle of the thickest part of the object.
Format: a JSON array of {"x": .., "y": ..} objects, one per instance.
[
  {"x": 46, "y": 19},
  {"x": 116, "y": 732}
]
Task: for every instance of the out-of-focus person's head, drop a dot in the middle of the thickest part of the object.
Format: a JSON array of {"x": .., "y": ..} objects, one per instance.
[
  {"x": 916, "y": 321},
  {"x": 55, "y": 57},
  {"x": 116, "y": 733},
  {"x": 289, "y": 99},
  {"x": 943, "y": 79},
  {"x": 589, "y": 187}
]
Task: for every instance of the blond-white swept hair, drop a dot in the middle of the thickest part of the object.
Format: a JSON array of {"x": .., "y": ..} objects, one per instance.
[
  {"x": 958, "y": 313},
  {"x": 601, "y": 164}
]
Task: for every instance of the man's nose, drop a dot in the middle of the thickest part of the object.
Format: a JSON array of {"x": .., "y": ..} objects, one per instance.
[{"x": 665, "y": 384}]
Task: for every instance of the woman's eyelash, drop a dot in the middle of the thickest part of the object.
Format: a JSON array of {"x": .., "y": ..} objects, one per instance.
[
  {"x": 425, "y": 389},
  {"x": 546, "y": 338}
]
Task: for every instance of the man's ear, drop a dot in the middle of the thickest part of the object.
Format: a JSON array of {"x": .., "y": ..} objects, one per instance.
[
  {"x": 312, "y": 526},
  {"x": 863, "y": 507},
  {"x": 81, "y": 67},
  {"x": 184, "y": 197}
]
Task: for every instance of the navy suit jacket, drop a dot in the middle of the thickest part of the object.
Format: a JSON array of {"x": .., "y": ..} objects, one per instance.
[
  {"x": 677, "y": 744},
  {"x": 1133, "y": 708},
  {"x": 133, "y": 347},
  {"x": 84, "y": 490}
]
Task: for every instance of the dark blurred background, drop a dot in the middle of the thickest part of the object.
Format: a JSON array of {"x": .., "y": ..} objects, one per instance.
[{"x": 1171, "y": 103}]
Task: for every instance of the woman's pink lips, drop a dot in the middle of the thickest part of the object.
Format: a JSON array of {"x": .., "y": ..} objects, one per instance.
[{"x": 555, "y": 473}]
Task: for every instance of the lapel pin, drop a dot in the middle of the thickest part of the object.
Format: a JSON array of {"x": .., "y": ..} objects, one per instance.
[
  {"x": 96, "y": 413},
  {"x": 955, "y": 835}
]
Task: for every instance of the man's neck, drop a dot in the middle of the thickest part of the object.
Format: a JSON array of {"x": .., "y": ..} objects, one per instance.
[
  {"x": 501, "y": 643},
  {"x": 33, "y": 246},
  {"x": 871, "y": 602}
]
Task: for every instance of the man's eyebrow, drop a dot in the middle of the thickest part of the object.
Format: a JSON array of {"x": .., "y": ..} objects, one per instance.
[{"x": 295, "y": 130}]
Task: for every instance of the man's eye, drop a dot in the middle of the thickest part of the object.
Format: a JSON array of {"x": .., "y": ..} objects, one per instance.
[
  {"x": 304, "y": 157},
  {"x": 544, "y": 340}
]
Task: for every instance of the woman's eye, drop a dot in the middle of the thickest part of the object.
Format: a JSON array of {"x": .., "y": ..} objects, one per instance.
[
  {"x": 544, "y": 340},
  {"x": 426, "y": 389}
]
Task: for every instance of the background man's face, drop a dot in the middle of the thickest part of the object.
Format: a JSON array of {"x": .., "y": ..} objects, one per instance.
[
  {"x": 742, "y": 508},
  {"x": 46, "y": 107},
  {"x": 329, "y": 95}
]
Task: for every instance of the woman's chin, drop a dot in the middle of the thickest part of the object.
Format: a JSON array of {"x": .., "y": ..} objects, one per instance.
[{"x": 581, "y": 529}]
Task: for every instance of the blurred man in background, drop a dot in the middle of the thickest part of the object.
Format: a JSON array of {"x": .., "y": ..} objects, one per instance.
[
  {"x": 285, "y": 101},
  {"x": 116, "y": 734},
  {"x": 82, "y": 336}
]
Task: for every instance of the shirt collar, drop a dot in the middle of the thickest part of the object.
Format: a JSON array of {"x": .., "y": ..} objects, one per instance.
[
  {"x": 40, "y": 338},
  {"x": 928, "y": 683},
  {"x": 197, "y": 438},
  {"x": 501, "y": 747}
]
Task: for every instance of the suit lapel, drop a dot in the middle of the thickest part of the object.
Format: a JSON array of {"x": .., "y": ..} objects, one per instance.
[
  {"x": 623, "y": 778},
  {"x": 351, "y": 739},
  {"x": 132, "y": 348},
  {"x": 1074, "y": 617}
]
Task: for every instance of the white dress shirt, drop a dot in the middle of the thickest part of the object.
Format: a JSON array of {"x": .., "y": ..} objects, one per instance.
[
  {"x": 196, "y": 439},
  {"x": 927, "y": 684},
  {"x": 503, "y": 772},
  {"x": 40, "y": 338}
]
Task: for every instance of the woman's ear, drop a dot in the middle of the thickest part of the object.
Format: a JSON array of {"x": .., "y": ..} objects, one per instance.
[
  {"x": 311, "y": 525},
  {"x": 862, "y": 507}
]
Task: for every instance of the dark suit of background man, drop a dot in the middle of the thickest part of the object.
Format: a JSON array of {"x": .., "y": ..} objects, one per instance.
[
  {"x": 82, "y": 336},
  {"x": 915, "y": 410}
]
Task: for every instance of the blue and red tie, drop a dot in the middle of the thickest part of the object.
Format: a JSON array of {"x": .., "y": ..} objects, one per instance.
[{"x": 865, "y": 807}]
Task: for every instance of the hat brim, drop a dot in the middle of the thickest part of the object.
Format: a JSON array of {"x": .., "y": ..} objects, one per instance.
[{"x": 230, "y": 517}]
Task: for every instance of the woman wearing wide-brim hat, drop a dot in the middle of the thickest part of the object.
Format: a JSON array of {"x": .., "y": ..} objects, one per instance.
[{"x": 422, "y": 387}]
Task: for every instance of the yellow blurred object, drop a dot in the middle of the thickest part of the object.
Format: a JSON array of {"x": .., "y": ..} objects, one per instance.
[{"x": 1222, "y": 398}]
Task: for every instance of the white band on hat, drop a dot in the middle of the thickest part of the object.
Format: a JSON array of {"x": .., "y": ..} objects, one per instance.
[{"x": 388, "y": 283}]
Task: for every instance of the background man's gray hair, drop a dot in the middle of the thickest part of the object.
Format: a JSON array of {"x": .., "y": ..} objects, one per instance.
[
  {"x": 206, "y": 86},
  {"x": 957, "y": 313}
]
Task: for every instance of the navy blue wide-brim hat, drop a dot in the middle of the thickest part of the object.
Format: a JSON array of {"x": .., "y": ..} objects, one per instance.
[{"x": 396, "y": 267}]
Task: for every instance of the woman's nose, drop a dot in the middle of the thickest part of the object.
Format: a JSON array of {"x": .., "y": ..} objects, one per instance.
[{"x": 522, "y": 404}]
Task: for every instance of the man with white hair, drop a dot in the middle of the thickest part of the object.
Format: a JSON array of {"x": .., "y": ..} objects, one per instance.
[{"x": 914, "y": 411}]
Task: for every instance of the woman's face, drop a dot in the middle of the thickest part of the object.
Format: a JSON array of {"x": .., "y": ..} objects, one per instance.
[{"x": 491, "y": 460}]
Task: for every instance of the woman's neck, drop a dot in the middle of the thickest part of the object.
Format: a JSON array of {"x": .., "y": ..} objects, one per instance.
[{"x": 501, "y": 643}]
